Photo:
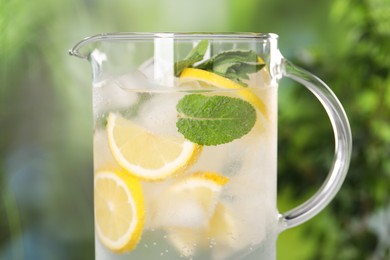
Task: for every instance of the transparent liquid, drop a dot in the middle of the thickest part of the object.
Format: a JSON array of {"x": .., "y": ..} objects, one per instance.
[{"x": 249, "y": 198}]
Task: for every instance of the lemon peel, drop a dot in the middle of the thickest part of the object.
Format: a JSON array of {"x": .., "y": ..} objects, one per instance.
[
  {"x": 146, "y": 155},
  {"x": 119, "y": 209}
]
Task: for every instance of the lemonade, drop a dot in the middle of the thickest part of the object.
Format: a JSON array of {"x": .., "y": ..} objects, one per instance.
[
  {"x": 188, "y": 171},
  {"x": 185, "y": 140}
]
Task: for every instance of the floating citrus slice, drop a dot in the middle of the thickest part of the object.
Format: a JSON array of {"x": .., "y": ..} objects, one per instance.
[
  {"x": 145, "y": 154},
  {"x": 211, "y": 180},
  {"x": 185, "y": 240},
  {"x": 225, "y": 83},
  {"x": 198, "y": 194},
  {"x": 222, "y": 227},
  {"x": 188, "y": 202},
  {"x": 119, "y": 209},
  {"x": 202, "y": 187},
  {"x": 221, "y": 233}
]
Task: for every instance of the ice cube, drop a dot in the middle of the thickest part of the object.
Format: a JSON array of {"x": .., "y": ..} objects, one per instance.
[
  {"x": 179, "y": 212},
  {"x": 137, "y": 81},
  {"x": 213, "y": 159},
  {"x": 159, "y": 113},
  {"x": 112, "y": 95},
  {"x": 251, "y": 195},
  {"x": 253, "y": 216},
  {"x": 152, "y": 192}
]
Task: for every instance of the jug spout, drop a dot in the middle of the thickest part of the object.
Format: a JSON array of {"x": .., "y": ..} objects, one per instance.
[
  {"x": 83, "y": 48},
  {"x": 75, "y": 51}
]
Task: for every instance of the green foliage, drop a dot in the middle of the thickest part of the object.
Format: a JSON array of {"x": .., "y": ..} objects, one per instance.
[
  {"x": 233, "y": 64},
  {"x": 358, "y": 71},
  {"x": 370, "y": 114},
  {"x": 35, "y": 204},
  {"x": 195, "y": 55}
]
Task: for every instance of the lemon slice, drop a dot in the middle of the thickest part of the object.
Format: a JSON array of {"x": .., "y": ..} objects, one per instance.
[
  {"x": 223, "y": 233},
  {"x": 220, "y": 233},
  {"x": 202, "y": 187},
  {"x": 145, "y": 154},
  {"x": 211, "y": 180},
  {"x": 222, "y": 227},
  {"x": 188, "y": 202},
  {"x": 225, "y": 83},
  {"x": 119, "y": 210},
  {"x": 185, "y": 240},
  {"x": 198, "y": 194}
]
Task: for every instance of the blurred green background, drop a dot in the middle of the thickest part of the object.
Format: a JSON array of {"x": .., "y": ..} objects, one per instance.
[{"x": 46, "y": 117}]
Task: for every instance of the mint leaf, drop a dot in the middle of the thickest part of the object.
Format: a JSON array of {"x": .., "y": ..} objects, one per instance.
[
  {"x": 195, "y": 55},
  {"x": 214, "y": 120},
  {"x": 240, "y": 71},
  {"x": 234, "y": 64}
]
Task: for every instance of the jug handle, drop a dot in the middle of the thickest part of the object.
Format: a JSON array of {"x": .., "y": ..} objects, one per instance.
[{"x": 343, "y": 147}]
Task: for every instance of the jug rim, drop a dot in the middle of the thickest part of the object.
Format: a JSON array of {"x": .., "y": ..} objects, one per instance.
[{"x": 115, "y": 36}]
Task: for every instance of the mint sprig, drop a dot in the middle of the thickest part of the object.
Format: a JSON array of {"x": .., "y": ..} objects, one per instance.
[
  {"x": 195, "y": 55},
  {"x": 214, "y": 120},
  {"x": 234, "y": 64}
]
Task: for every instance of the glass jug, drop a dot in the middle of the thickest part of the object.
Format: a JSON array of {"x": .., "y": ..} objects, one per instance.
[{"x": 185, "y": 144}]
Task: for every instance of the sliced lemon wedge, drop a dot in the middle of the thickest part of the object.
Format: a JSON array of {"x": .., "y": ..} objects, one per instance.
[
  {"x": 225, "y": 83},
  {"x": 147, "y": 155},
  {"x": 211, "y": 180},
  {"x": 119, "y": 209},
  {"x": 188, "y": 202},
  {"x": 185, "y": 240},
  {"x": 200, "y": 195},
  {"x": 202, "y": 187},
  {"x": 222, "y": 228},
  {"x": 220, "y": 233}
]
